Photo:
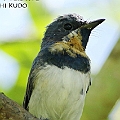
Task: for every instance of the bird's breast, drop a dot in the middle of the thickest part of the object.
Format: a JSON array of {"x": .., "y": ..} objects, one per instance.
[
  {"x": 59, "y": 93},
  {"x": 61, "y": 55}
]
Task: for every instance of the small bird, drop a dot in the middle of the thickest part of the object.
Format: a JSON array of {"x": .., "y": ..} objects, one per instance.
[{"x": 60, "y": 75}]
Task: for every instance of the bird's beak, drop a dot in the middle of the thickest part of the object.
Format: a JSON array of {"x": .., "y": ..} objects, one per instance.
[
  {"x": 93, "y": 24},
  {"x": 83, "y": 32}
]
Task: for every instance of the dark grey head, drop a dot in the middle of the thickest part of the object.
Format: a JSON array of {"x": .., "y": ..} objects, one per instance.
[{"x": 65, "y": 24}]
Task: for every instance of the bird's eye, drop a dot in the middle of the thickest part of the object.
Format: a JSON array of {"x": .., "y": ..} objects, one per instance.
[{"x": 67, "y": 26}]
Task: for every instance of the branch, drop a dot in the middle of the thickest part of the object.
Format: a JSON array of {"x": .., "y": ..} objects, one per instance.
[{"x": 10, "y": 110}]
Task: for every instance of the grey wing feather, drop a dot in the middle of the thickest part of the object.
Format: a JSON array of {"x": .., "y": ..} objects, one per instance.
[
  {"x": 37, "y": 64},
  {"x": 29, "y": 90},
  {"x": 89, "y": 85}
]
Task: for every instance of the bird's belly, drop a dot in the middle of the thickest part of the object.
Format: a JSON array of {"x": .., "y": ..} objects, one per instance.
[{"x": 59, "y": 93}]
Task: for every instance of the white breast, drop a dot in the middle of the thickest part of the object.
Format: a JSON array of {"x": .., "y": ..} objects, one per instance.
[{"x": 59, "y": 93}]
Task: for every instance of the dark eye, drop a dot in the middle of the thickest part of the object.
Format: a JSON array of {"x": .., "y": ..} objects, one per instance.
[{"x": 67, "y": 26}]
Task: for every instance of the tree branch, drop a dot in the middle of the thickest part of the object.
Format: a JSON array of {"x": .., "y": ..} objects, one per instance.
[{"x": 10, "y": 110}]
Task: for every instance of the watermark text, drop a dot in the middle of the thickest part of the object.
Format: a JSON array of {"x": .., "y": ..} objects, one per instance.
[{"x": 15, "y": 3}]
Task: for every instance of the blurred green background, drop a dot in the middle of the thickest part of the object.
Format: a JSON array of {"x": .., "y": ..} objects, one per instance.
[{"x": 104, "y": 93}]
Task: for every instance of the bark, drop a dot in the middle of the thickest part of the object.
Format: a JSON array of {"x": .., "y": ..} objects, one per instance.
[{"x": 10, "y": 110}]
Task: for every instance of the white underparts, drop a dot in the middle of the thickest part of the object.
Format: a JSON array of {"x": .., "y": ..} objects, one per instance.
[{"x": 59, "y": 93}]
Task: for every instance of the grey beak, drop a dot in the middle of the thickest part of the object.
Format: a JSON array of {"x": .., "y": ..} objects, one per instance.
[{"x": 93, "y": 24}]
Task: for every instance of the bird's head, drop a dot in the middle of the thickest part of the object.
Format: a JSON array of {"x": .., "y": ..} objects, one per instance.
[{"x": 70, "y": 29}]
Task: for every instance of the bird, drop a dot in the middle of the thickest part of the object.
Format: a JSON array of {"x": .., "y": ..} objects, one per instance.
[{"x": 61, "y": 73}]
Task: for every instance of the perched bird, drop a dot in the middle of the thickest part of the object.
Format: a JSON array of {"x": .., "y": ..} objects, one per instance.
[{"x": 60, "y": 75}]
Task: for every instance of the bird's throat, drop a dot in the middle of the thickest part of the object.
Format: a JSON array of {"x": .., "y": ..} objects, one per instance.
[{"x": 71, "y": 44}]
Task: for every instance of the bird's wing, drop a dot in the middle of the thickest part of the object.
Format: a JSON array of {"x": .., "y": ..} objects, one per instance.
[
  {"x": 37, "y": 64},
  {"x": 29, "y": 90}
]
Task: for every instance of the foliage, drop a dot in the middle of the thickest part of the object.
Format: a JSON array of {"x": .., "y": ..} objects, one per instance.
[
  {"x": 39, "y": 15},
  {"x": 105, "y": 88},
  {"x": 24, "y": 51}
]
